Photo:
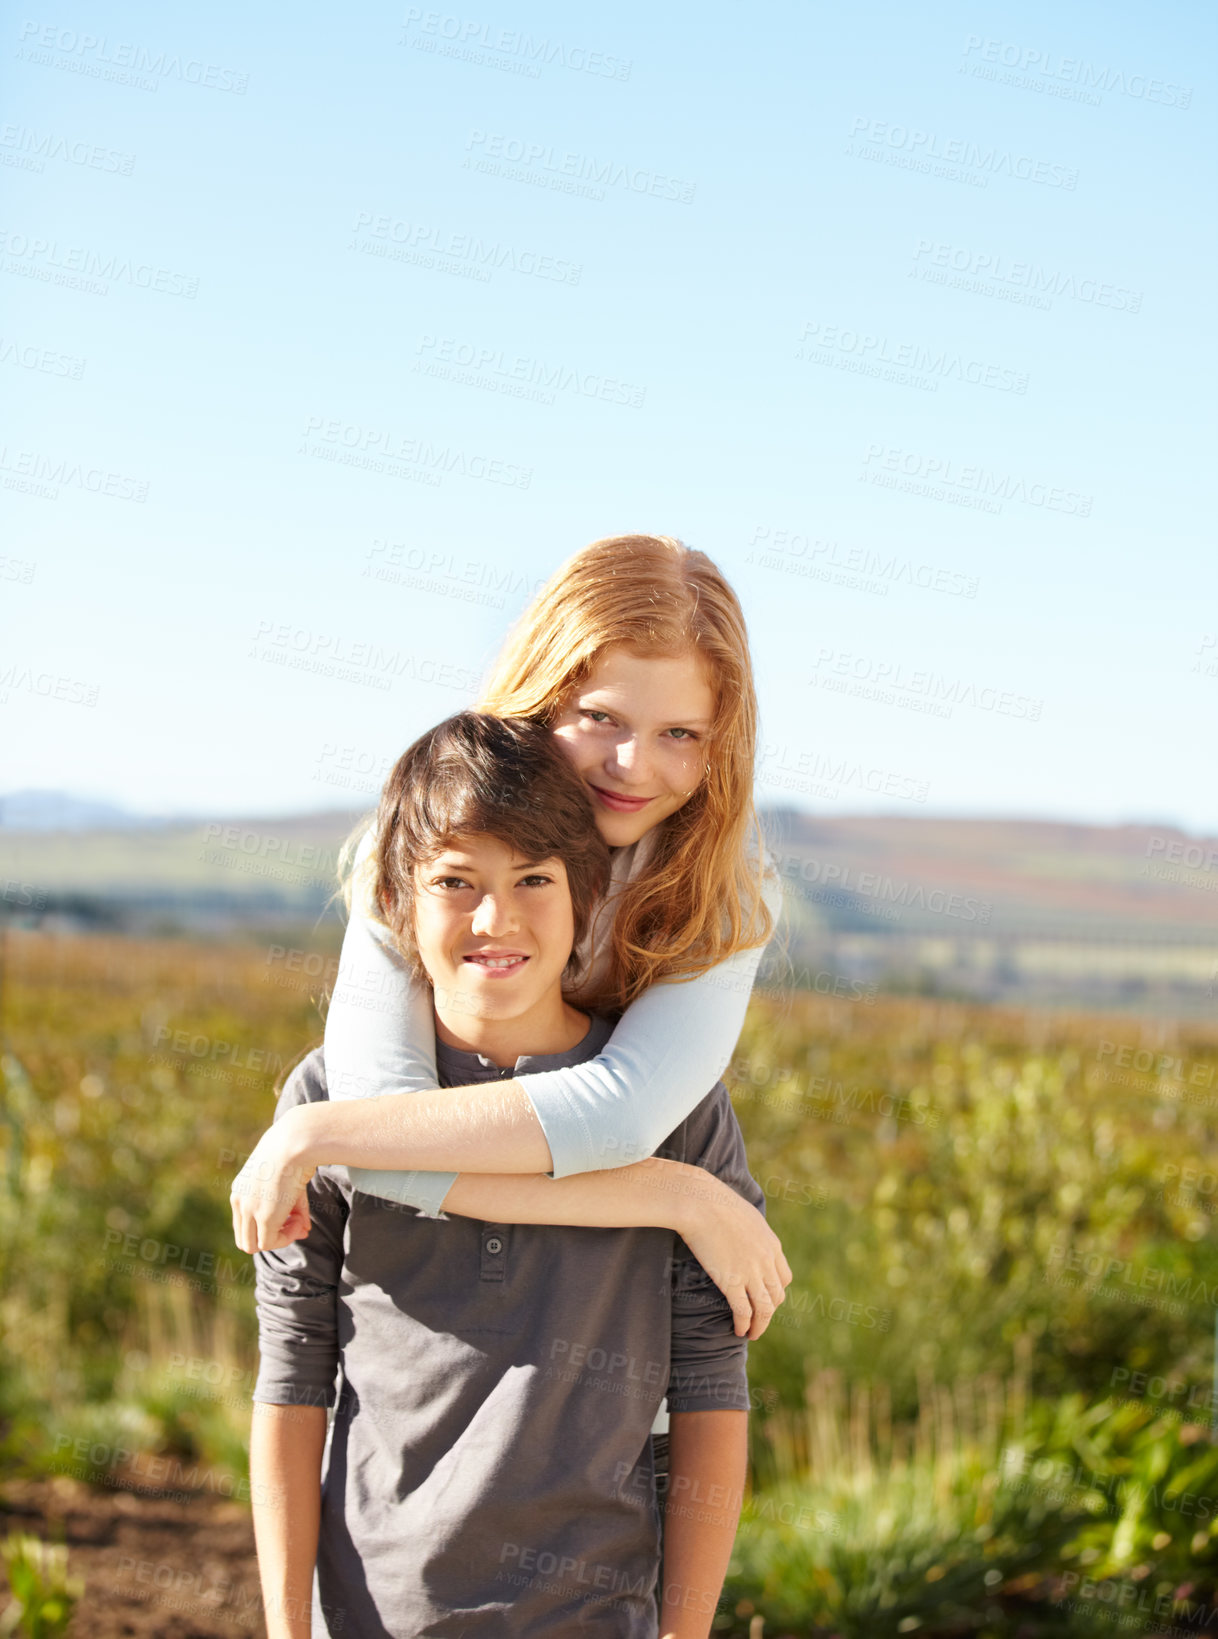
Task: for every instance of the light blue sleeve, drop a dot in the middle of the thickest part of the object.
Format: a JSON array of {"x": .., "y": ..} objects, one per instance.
[
  {"x": 668, "y": 1049},
  {"x": 381, "y": 1038}
]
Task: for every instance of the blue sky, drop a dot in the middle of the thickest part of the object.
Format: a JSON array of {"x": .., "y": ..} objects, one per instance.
[{"x": 328, "y": 337}]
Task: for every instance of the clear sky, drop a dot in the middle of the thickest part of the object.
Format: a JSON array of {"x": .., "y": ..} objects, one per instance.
[{"x": 318, "y": 326}]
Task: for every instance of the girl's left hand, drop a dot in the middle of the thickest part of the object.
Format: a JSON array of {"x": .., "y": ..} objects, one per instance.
[{"x": 269, "y": 1196}]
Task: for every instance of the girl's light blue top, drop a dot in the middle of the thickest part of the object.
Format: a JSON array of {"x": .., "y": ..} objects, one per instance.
[{"x": 669, "y": 1048}]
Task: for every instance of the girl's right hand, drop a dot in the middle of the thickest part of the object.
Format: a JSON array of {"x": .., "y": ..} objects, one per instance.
[
  {"x": 738, "y": 1250},
  {"x": 269, "y": 1196}
]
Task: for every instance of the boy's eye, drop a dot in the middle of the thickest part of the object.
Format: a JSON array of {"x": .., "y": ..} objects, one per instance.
[
  {"x": 449, "y": 882},
  {"x": 537, "y": 880}
]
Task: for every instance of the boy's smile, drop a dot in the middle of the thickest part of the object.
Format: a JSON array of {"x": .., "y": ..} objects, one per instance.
[
  {"x": 494, "y": 933},
  {"x": 498, "y": 962}
]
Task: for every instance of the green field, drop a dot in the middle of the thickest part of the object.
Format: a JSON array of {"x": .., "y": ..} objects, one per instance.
[{"x": 984, "y": 1409}]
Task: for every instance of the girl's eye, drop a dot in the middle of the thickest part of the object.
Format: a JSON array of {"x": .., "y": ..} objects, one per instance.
[
  {"x": 450, "y": 882},
  {"x": 596, "y": 716},
  {"x": 685, "y": 733}
]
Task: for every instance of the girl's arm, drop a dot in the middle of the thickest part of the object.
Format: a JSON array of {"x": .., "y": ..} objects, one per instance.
[
  {"x": 666, "y": 1052},
  {"x": 380, "y": 1036},
  {"x": 720, "y": 1228}
]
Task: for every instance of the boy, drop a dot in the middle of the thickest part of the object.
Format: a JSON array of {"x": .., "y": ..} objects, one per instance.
[{"x": 490, "y": 1464}]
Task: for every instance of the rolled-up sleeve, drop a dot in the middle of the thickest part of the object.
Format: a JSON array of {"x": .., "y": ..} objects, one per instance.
[
  {"x": 296, "y": 1288},
  {"x": 709, "y": 1369}
]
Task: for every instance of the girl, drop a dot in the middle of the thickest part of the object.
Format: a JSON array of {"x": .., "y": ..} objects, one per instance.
[{"x": 635, "y": 654}]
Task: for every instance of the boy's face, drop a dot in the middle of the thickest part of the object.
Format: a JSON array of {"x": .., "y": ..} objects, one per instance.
[{"x": 494, "y": 932}]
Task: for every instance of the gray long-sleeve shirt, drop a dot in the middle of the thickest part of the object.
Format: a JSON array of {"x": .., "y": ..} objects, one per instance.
[{"x": 489, "y": 1464}]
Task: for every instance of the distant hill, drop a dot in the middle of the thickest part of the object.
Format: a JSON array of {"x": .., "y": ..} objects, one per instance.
[
  {"x": 1026, "y": 911},
  {"x": 1033, "y": 875},
  {"x": 59, "y": 811},
  {"x": 1017, "y": 910},
  {"x": 176, "y": 876}
]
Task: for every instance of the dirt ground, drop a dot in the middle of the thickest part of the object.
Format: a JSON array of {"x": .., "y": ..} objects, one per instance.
[{"x": 154, "y": 1567}]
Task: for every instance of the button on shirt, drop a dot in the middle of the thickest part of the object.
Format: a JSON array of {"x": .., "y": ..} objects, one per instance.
[{"x": 489, "y": 1465}]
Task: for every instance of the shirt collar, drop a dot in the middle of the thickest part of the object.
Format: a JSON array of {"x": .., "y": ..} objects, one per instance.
[{"x": 459, "y": 1068}]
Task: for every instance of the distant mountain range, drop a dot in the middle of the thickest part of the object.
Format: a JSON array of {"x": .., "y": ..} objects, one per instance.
[
  {"x": 1044, "y": 876},
  {"x": 59, "y": 811},
  {"x": 1018, "y": 910}
]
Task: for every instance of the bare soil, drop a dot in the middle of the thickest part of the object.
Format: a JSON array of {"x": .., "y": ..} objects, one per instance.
[{"x": 154, "y": 1567}]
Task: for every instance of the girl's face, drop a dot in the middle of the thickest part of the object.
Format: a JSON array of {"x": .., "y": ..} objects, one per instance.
[{"x": 637, "y": 730}]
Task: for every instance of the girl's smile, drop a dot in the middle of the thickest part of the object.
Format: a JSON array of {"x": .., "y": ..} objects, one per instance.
[{"x": 617, "y": 802}]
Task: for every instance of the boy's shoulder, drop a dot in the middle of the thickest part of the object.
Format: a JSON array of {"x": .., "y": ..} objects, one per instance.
[
  {"x": 305, "y": 1083},
  {"x": 710, "y": 1137},
  {"x": 709, "y": 1114}
]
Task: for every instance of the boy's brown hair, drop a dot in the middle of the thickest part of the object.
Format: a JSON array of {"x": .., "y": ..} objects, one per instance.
[{"x": 477, "y": 775}]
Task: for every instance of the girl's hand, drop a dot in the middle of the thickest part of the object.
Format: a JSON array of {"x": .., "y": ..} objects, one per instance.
[
  {"x": 739, "y": 1251},
  {"x": 269, "y": 1196}
]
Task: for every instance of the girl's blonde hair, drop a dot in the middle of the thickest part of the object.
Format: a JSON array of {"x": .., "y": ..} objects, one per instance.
[{"x": 698, "y": 899}]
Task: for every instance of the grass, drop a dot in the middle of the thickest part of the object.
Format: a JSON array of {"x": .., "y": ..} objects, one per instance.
[{"x": 1001, "y": 1225}]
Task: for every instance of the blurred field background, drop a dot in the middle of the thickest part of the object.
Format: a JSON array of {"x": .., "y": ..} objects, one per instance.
[{"x": 986, "y": 1407}]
